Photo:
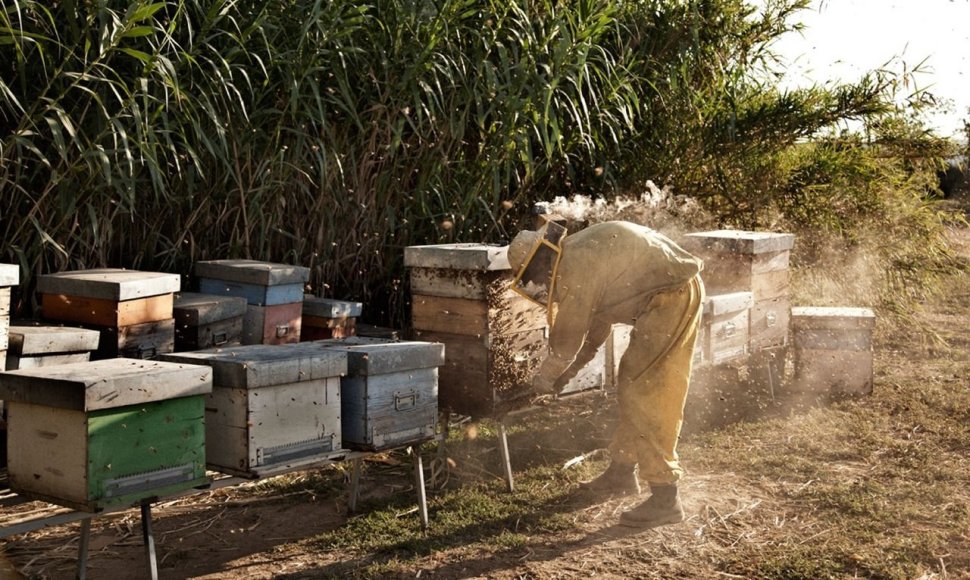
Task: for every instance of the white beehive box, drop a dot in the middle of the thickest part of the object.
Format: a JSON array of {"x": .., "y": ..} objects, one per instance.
[
  {"x": 36, "y": 346},
  {"x": 272, "y": 407},
  {"x": 833, "y": 350},
  {"x": 9, "y": 276}
]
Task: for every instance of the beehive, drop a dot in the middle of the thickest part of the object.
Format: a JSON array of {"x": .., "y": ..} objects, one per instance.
[
  {"x": 207, "y": 320},
  {"x": 724, "y": 328},
  {"x": 37, "y": 346},
  {"x": 833, "y": 350},
  {"x": 756, "y": 262},
  {"x": 272, "y": 407},
  {"x": 493, "y": 337},
  {"x": 131, "y": 309},
  {"x": 324, "y": 318},
  {"x": 389, "y": 397},
  {"x": 273, "y": 292},
  {"x": 95, "y": 435}
]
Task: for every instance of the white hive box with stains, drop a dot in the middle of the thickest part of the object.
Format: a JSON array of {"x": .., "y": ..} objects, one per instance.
[
  {"x": 494, "y": 338},
  {"x": 102, "y": 434},
  {"x": 132, "y": 309},
  {"x": 9, "y": 276},
  {"x": 389, "y": 396},
  {"x": 756, "y": 262},
  {"x": 723, "y": 335},
  {"x": 207, "y": 321},
  {"x": 273, "y": 292},
  {"x": 38, "y": 345},
  {"x": 272, "y": 407},
  {"x": 833, "y": 350}
]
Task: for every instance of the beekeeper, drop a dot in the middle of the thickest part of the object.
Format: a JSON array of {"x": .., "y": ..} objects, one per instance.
[{"x": 619, "y": 272}]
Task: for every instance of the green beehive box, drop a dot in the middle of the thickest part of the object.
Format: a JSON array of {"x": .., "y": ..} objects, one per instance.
[{"x": 106, "y": 434}]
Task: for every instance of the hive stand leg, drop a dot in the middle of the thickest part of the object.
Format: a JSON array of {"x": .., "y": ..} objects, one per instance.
[
  {"x": 354, "y": 484},
  {"x": 146, "y": 532},
  {"x": 439, "y": 464},
  {"x": 503, "y": 446},
  {"x": 82, "y": 550},
  {"x": 419, "y": 485}
]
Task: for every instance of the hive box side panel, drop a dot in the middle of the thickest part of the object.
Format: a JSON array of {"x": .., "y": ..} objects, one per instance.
[
  {"x": 272, "y": 324},
  {"x": 593, "y": 376},
  {"x": 15, "y": 362},
  {"x": 227, "y": 430},
  {"x": 221, "y": 333},
  {"x": 45, "y": 340},
  {"x": 769, "y": 323},
  {"x": 9, "y": 275},
  {"x": 461, "y": 256},
  {"x": 104, "y": 312},
  {"x": 146, "y": 450},
  {"x": 728, "y": 336},
  {"x": 463, "y": 385},
  {"x": 47, "y": 451},
  {"x": 390, "y": 410},
  {"x": 255, "y": 295},
  {"x": 451, "y": 315},
  {"x": 467, "y": 284},
  {"x": 194, "y": 309},
  {"x": 833, "y": 372},
  {"x": 294, "y": 420}
]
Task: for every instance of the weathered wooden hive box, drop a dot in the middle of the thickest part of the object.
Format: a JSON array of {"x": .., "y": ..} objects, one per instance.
[
  {"x": 325, "y": 318},
  {"x": 36, "y": 346},
  {"x": 833, "y": 350},
  {"x": 131, "y": 309},
  {"x": 272, "y": 407},
  {"x": 9, "y": 276},
  {"x": 389, "y": 397},
  {"x": 756, "y": 262},
  {"x": 493, "y": 337},
  {"x": 723, "y": 336},
  {"x": 102, "y": 434},
  {"x": 207, "y": 320},
  {"x": 273, "y": 292}
]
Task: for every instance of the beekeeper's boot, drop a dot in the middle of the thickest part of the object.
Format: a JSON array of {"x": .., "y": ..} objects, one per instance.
[
  {"x": 661, "y": 508},
  {"x": 618, "y": 479}
]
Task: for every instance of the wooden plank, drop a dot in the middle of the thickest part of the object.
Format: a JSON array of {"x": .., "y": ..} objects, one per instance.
[
  {"x": 147, "y": 340},
  {"x": 4, "y": 301},
  {"x": 369, "y": 357},
  {"x": 9, "y": 275},
  {"x": 451, "y": 315},
  {"x": 106, "y": 312},
  {"x": 252, "y": 272},
  {"x": 109, "y": 284},
  {"x": 451, "y": 283},
  {"x": 16, "y": 362},
  {"x": 29, "y": 340},
  {"x": 457, "y": 257},
  {"x": 227, "y": 430},
  {"x": 47, "y": 451},
  {"x": 4, "y": 333},
  {"x": 105, "y": 384},
  {"x": 835, "y": 318},
  {"x": 278, "y": 324},
  {"x": 256, "y": 366},
  {"x": 329, "y": 308},
  {"x": 195, "y": 309},
  {"x": 739, "y": 241},
  {"x": 769, "y": 323}
]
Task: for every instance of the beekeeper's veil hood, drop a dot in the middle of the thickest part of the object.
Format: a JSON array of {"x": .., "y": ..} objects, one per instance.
[{"x": 534, "y": 256}]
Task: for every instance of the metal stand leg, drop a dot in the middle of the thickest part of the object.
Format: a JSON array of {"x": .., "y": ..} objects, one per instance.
[
  {"x": 503, "y": 446},
  {"x": 419, "y": 485},
  {"x": 146, "y": 532},
  {"x": 439, "y": 464},
  {"x": 354, "y": 484},
  {"x": 82, "y": 550}
]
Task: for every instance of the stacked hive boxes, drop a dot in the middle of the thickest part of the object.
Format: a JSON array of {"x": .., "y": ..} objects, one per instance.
[
  {"x": 131, "y": 309},
  {"x": 272, "y": 407},
  {"x": 44, "y": 346},
  {"x": 324, "y": 318},
  {"x": 755, "y": 262},
  {"x": 832, "y": 350},
  {"x": 207, "y": 321},
  {"x": 9, "y": 276},
  {"x": 95, "y": 435},
  {"x": 493, "y": 337},
  {"x": 274, "y": 293},
  {"x": 390, "y": 394}
]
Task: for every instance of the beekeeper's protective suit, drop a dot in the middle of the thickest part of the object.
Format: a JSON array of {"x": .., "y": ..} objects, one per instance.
[{"x": 619, "y": 272}]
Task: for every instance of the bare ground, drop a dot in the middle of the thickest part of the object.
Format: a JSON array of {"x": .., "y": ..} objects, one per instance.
[{"x": 878, "y": 487}]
